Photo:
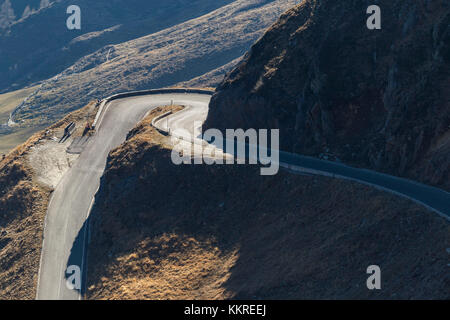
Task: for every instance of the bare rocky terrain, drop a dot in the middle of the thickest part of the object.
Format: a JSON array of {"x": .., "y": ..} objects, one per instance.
[{"x": 371, "y": 98}]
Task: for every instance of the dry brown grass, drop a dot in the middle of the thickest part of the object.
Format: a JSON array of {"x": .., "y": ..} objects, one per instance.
[
  {"x": 23, "y": 205},
  {"x": 161, "y": 231},
  {"x": 187, "y": 269},
  {"x": 144, "y": 132}
]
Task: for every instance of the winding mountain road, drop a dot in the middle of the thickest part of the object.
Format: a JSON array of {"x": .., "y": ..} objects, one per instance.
[
  {"x": 72, "y": 199},
  {"x": 65, "y": 235}
]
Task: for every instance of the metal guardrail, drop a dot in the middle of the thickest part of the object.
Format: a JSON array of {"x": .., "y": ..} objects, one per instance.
[
  {"x": 68, "y": 130},
  {"x": 105, "y": 101},
  {"x": 70, "y": 127},
  {"x": 155, "y": 119},
  {"x": 174, "y": 134},
  {"x": 302, "y": 162}
]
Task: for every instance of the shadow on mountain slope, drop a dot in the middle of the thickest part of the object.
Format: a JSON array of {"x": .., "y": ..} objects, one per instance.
[
  {"x": 161, "y": 231},
  {"x": 372, "y": 98}
]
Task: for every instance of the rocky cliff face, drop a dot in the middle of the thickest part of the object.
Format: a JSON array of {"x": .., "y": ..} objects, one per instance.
[{"x": 375, "y": 98}]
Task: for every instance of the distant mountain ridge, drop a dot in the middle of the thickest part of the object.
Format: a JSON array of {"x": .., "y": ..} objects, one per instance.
[
  {"x": 41, "y": 46},
  {"x": 19, "y": 9},
  {"x": 164, "y": 58}
]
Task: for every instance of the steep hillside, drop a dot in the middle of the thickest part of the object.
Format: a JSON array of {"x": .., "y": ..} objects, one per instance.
[
  {"x": 9, "y": 137},
  {"x": 211, "y": 79},
  {"x": 373, "y": 98},
  {"x": 41, "y": 46},
  {"x": 23, "y": 204},
  {"x": 177, "y": 54},
  {"x": 26, "y": 175},
  {"x": 20, "y": 9},
  {"x": 161, "y": 231}
]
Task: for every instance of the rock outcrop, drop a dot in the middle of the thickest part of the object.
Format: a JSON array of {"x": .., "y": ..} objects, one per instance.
[{"x": 374, "y": 98}]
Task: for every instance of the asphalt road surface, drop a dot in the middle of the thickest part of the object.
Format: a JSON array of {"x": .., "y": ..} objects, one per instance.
[
  {"x": 72, "y": 199},
  {"x": 65, "y": 235}
]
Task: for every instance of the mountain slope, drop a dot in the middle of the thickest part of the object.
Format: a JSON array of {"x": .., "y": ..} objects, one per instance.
[
  {"x": 26, "y": 175},
  {"x": 23, "y": 8},
  {"x": 187, "y": 50},
  {"x": 161, "y": 231},
  {"x": 165, "y": 58},
  {"x": 374, "y": 98},
  {"x": 41, "y": 46}
]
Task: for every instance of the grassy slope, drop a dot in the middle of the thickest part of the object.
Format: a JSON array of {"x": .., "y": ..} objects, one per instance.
[
  {"x": 164, "y": 58},
  {"x": 40, "y": 46},
  {"x": 212, "y": 232},
  {"x": 23, "y": 204},
  {"x": 115, "y": 62},
  {"x": 8, "y": 101}
]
